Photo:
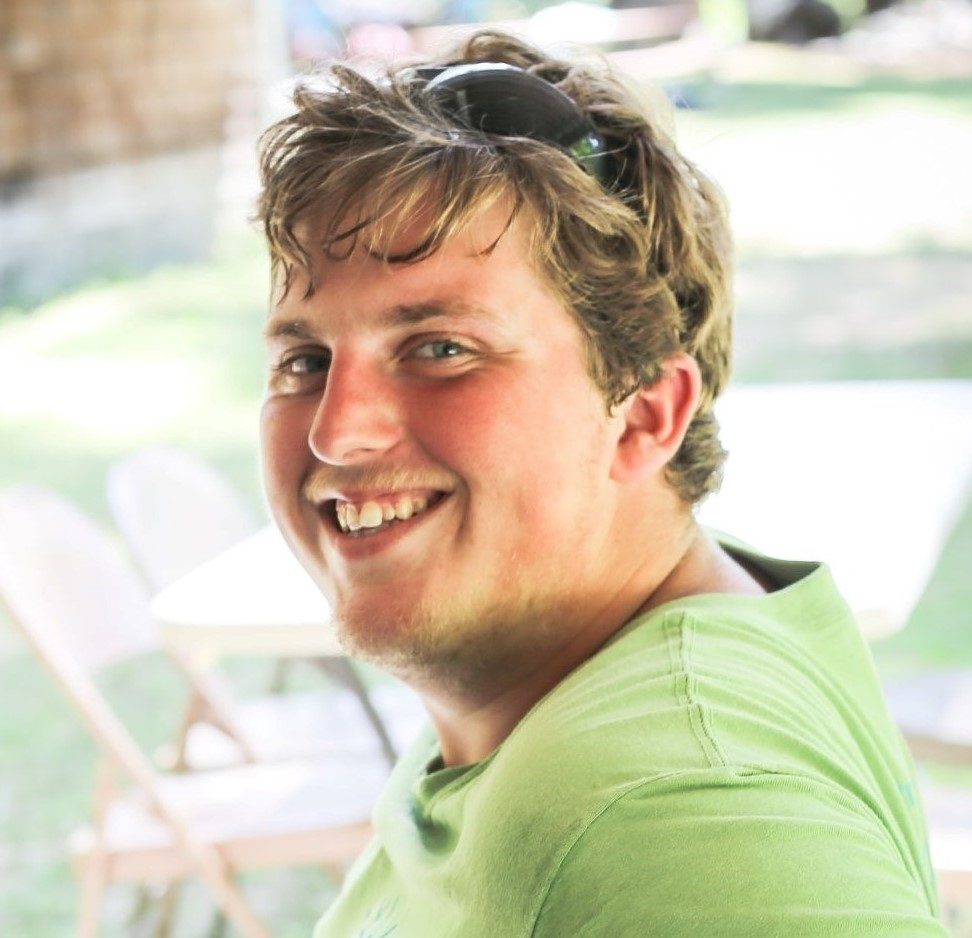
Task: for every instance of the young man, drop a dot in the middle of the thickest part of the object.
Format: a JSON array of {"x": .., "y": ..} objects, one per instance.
[{"x": 501, "y": 316}]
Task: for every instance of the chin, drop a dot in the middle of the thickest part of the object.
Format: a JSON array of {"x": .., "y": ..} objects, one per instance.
[
  {"x": 409, "y": 639},
  {"x": 461, "y": 648},
  {"x": 382, "y": 635}
]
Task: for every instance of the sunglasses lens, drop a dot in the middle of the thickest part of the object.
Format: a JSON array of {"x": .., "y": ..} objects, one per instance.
[
  {"x": 510, "y": 102},
  {"x": 504, "y": 100}
]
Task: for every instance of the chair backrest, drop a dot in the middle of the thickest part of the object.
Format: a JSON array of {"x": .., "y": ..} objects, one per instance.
[
  {"x": 67, "y": 582},
  {"x": 174, "y": 511},
  {"x": 68, "y": 589}
]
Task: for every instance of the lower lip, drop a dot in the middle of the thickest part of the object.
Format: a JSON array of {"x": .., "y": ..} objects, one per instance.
[{"x": 365, "y": 546}]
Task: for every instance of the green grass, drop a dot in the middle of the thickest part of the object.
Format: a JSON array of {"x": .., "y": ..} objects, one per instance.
[
  {"x": 793, "y": 101},
  {"x": 173, "y": 357},
  {"x": 833, "y": 284}
]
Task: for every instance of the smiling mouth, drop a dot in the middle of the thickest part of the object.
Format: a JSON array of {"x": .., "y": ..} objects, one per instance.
[{"x": 364, "y": 519}]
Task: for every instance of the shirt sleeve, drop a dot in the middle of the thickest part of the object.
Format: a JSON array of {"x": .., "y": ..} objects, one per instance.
[{"x": 740, "y": 856}]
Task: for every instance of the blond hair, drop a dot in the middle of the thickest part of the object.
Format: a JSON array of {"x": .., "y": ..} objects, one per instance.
[{"x": 645, "y": 268}]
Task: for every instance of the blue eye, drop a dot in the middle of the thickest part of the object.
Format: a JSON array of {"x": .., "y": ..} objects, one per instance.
[
  {"x": 299, "y": 372},
  {"x": 307, "y": 364},
  {"x": 440, "y": 348}
]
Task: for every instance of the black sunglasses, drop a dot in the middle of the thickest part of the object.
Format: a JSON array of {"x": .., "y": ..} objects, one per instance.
[{"x": 501, "y": 99}]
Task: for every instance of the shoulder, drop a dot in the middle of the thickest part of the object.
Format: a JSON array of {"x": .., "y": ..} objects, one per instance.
[
  {"x": 735, "y": 854},
  {"x": 736, "y": 766},
  {"x": 717, "y": 744},
  {"x": 714, "y": 682}
]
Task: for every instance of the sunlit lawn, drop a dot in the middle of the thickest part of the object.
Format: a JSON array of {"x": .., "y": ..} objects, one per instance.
[{"x": 854, "y": 224}]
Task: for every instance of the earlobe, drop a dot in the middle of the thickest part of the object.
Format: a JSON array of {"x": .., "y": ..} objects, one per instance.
[{"x": 656, "y": 419}]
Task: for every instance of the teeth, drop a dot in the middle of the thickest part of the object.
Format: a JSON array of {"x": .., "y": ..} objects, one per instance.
[
  {"x": 373, "y": 514},
  {"x": 370, "y": 515}
]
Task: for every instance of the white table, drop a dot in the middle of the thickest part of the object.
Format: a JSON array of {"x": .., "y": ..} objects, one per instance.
[
  {"x": 253, "y": 599},
  {"x": 868, "y": 476}
]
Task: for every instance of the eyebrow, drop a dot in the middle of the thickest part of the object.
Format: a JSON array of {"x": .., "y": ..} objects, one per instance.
[
  {"x": 288, "y": 329},
  {"x": 406, "y": 314},
  {"x": 411, "y": 314}
]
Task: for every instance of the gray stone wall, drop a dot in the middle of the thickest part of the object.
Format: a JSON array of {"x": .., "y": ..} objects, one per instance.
[{"x": 111, "y": 117}]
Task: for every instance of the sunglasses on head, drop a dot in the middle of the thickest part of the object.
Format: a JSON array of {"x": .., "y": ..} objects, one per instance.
[{"x": 507, "y": 101}]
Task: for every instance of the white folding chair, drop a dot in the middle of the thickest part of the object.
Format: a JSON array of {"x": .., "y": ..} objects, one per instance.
[
  {"x": 175, "y": 512},
  {"x": 80, "y": 610},
  {"x": 74, "y": 577}
]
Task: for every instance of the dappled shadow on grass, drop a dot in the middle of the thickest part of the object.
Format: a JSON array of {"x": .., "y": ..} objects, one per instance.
[
  {"x": 882, "y": 317},
  {"x": 37, "y": 894},
  {"x": 174, "y": 357},
  {"x": 75, "y": 464},
  {"x": 886, "y": 316},
  {"x": 779, "y": 98},
  {"x": 916, "y": 360}
]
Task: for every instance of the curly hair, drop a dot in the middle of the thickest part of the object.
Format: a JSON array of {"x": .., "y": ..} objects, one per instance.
[{"x": 644, "y": 268}]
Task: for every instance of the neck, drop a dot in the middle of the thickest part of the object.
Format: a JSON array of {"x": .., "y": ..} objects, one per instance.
[{"x": 471, "y": 723}]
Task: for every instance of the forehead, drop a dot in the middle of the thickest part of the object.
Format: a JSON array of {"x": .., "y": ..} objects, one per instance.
[
  {"x": 401, "y": 227},
  {"x": 482, "y": 265}
]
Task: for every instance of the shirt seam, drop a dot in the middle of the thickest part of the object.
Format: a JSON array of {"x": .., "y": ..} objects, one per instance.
[
  {"x": 681, "y": 636},
  {"x": 739, "y": 770},
  {"x": 545, "y": 892}
]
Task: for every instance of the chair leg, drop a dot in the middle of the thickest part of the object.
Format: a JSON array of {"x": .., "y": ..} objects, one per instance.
[
  {"x": 211, "y": 701},
  {"x": 141, "y": 908},
  {"x": 93, "y": 881},
  {"x": 343, "y": 671},
  {"x": 218, "y": 928},
  {"x": 228, "y": 896},
  {"x": 168, "y": 906},
  {"x": 94, "y": 874}
]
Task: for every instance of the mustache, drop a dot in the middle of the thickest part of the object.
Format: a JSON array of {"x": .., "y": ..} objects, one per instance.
[{"x": 323, "y": 480}]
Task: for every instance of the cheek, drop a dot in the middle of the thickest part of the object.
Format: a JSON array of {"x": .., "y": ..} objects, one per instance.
[
  {"x": 524, "y": 447},
  {"x": 476, "y": 429},
  {"x": 283, "y": 445}
]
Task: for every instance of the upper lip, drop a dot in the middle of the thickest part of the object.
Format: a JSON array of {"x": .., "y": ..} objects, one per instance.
[
  {"x": 371, "y": 483},
  {"x": 359, "y": 496}
]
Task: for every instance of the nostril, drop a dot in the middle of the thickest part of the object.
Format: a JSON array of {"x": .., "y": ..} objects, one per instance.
[{"x": 356, "y": 417}]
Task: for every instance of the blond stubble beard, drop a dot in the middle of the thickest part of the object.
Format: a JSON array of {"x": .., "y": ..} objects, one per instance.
[{"x": 472, "y": 650}]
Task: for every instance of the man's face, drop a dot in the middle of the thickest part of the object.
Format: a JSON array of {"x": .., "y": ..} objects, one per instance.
[{"x": 437, "y": 454}]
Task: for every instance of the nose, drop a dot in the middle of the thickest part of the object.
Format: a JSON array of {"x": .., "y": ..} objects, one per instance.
[{"x": 359, "y": 414}]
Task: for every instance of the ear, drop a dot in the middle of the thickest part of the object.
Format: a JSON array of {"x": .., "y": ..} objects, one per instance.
[{"x": 656, "y": 419}]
